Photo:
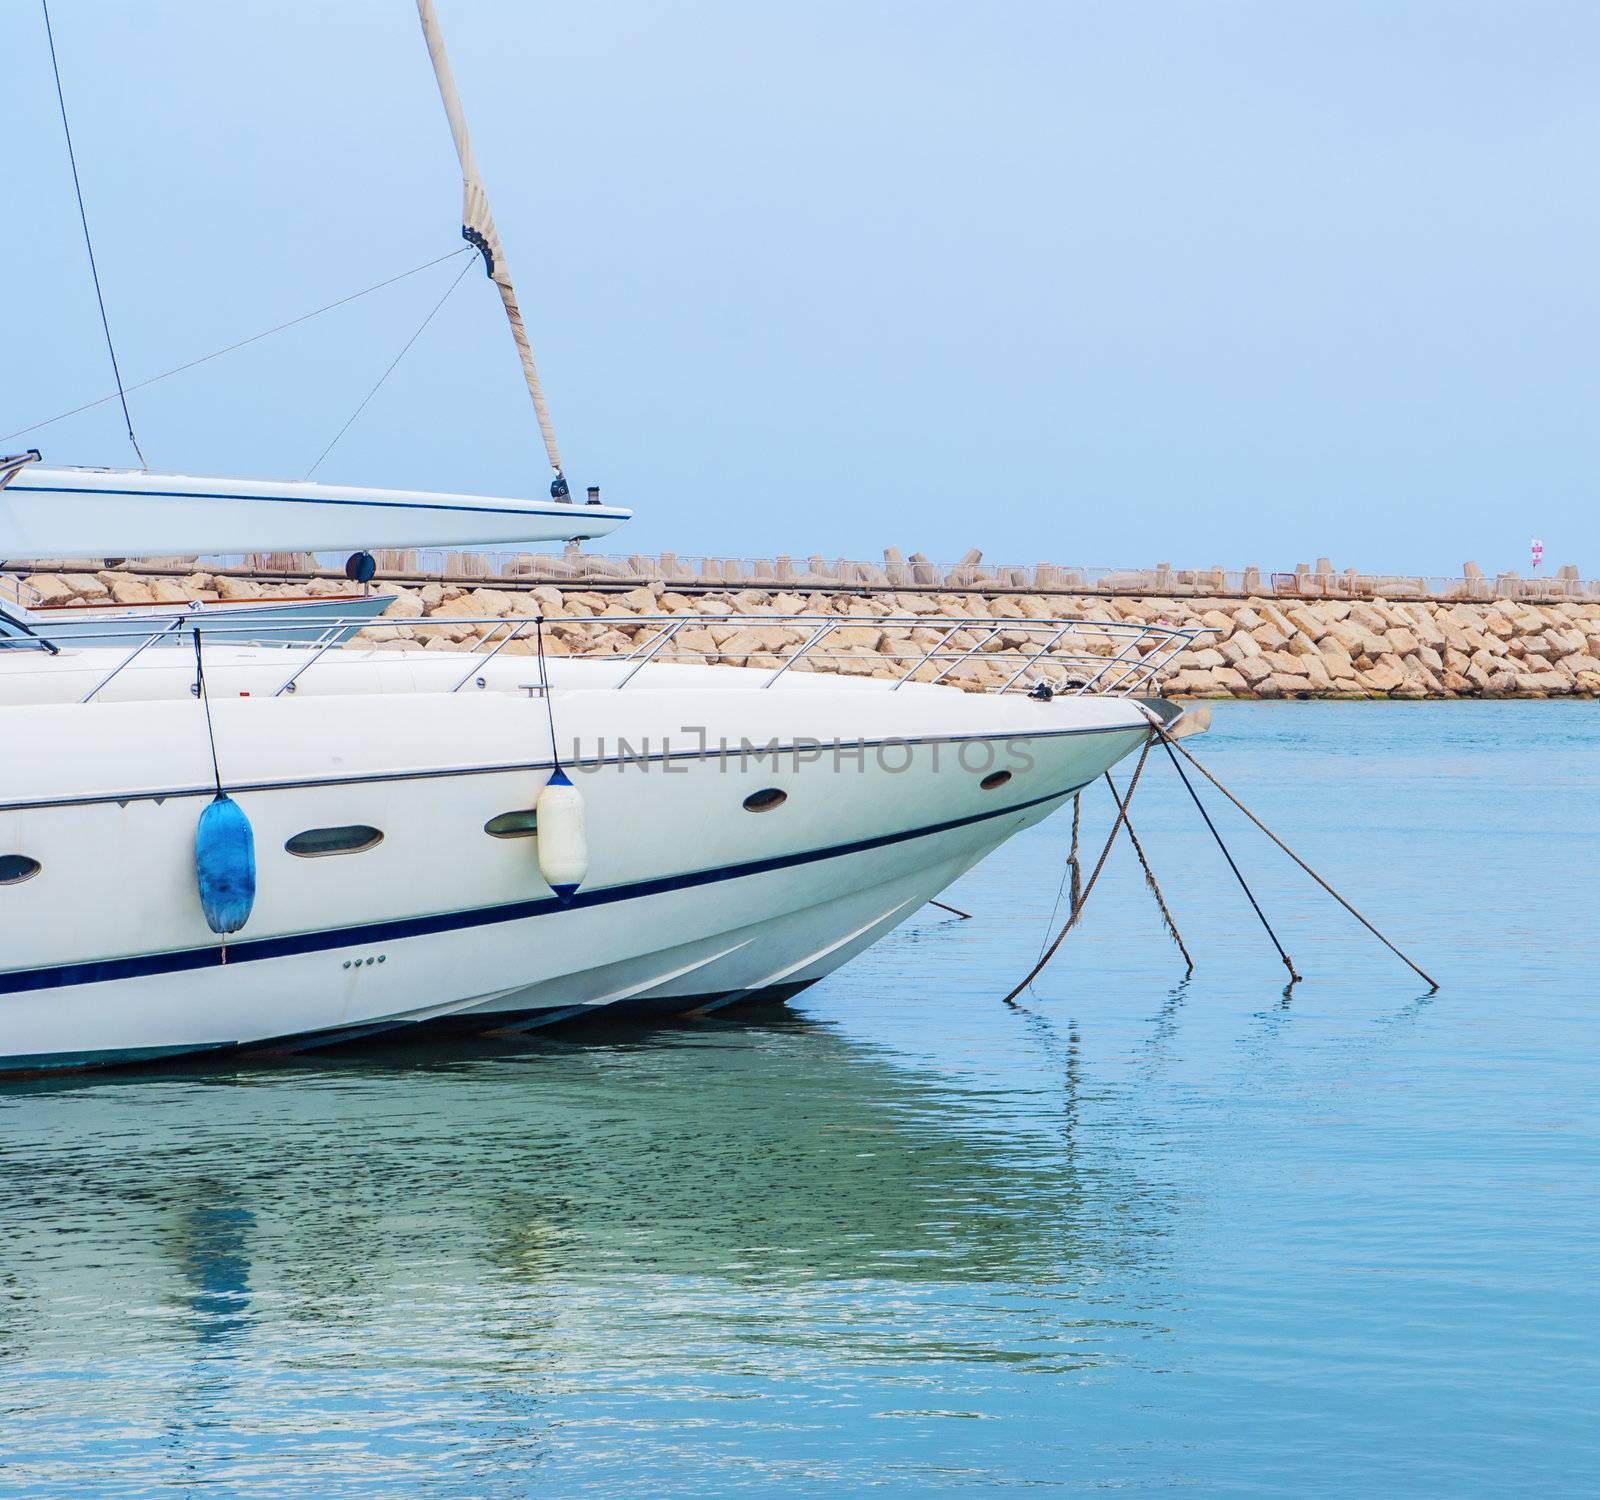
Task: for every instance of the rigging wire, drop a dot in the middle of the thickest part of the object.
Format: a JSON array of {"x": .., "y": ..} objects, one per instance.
[
  {"x": 88, "y": 242},
  {"x": 390, "y": 371},
  {"x": 254, "y": 338}
]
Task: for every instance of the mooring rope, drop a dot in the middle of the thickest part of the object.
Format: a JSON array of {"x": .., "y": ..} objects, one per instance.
[
  {"x": 211, "y": 739},
  {"x": 1074, "y": 866},
  {"x": 1172, "y": 745},
  {"x": 1173, "y": 749},
  {"x": 1100, "y": 864},
  {"x": 1150, "y": 879},
  {"x": 1070, "y": 867},
  {"x": 1238, "y": 874}
]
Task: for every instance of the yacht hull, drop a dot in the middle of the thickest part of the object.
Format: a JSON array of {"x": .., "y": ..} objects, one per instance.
[{"x": 692, "y": 902}]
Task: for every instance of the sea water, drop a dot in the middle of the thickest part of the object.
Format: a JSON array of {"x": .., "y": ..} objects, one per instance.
[{"x": 1137, "y": 1231}]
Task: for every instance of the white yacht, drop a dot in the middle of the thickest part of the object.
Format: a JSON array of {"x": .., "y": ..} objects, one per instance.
[
  {"x": 746, "y": 830},
  {"x": 244, "y": 846}
]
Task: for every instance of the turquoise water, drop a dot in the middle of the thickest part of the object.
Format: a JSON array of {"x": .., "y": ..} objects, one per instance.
[{"x": 1137, "y": 1234}]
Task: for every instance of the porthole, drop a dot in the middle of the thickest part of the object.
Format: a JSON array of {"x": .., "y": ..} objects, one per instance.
[
  {"x": 522, "y": 824},
  {"x": 765, "y": 801},
  {"x": 348, "y": 838},
  {"x": 995, "y": 779},
  {"x": 15, "y": 868}
]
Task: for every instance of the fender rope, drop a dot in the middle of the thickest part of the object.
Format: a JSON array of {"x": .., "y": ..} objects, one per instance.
[
  {"x": 1244, "y": 885},
  {"x": 211, "y": 739}
]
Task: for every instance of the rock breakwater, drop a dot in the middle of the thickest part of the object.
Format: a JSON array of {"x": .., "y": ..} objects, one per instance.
[{"x": 1255, "y": 647}]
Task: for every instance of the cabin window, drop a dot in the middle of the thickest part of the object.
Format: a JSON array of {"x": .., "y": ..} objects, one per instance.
[
  {"x": 765, "y": 801},
  {"x": 348, "y": 838},
  {"x": 522, "y": 824},
  {"x": 995, "y": 779},
  {"x": 15, "y": 868}
]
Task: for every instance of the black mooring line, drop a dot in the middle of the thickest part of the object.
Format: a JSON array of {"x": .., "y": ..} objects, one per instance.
[{"x": 1244, "y": 885}]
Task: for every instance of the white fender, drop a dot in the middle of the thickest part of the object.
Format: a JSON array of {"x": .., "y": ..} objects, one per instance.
[{"x": 562, "y": 839}]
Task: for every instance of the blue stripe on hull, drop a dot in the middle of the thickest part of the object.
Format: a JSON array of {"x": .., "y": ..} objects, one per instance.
[
  {"x": 531, "y": 508},
  {"x": 98, "y": 971}
]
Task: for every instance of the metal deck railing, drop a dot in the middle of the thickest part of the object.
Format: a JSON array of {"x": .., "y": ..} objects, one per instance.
[{"x": 975, "y": 653}]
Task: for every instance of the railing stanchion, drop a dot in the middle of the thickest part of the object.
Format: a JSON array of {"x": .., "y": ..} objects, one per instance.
[
  {"x": 483, "y": 661},
  {"x": 149, "y": 640},
  {"x": 805, "y": 647},
  {"x": 320, "y": 648},
  {"x": 936, "y": 648},
  {"x": 653, "y": 652},
  {"x": 1033, "y": 660}
]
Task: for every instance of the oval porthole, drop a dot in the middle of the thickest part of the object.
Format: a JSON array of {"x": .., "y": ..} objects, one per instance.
[
  {"x": 348, "y": 838},
  {"x": 995, "y": 779},
  {"x": 765, "y": 801},
  {"x": 15, "y": 868},
  {"x": 522, "y": 824}
]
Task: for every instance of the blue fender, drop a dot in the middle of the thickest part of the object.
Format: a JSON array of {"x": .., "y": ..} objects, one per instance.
[{"x": 225, "y": 864}]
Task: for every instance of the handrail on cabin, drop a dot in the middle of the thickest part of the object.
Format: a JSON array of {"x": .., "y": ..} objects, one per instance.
[
  {"x": 149, "y": 640},
  {"x": 1145, "y": 651}
]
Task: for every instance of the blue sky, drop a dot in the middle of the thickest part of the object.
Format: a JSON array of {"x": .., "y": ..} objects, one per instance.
[{"x": 1095, "y": 282}]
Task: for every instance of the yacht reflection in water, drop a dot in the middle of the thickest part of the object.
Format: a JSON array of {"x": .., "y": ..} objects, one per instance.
[{"x": 494, "y": 1206}]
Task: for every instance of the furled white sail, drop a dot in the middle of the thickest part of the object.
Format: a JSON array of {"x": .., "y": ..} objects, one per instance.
[{"x": 478, "y": 229}]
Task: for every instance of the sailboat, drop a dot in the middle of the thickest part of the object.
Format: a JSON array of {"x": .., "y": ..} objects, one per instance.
[
  {"x": 50, "y": 512},
  {"x": 65, "y": 512},
  {"x": 240, "y": 847}
]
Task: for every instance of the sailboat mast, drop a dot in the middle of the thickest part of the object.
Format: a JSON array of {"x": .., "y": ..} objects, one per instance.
[{"x": 478, "y": 229}]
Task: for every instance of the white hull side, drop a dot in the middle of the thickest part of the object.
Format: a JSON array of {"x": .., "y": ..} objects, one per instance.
[
  {"x": 862, "y": 897},
  {"x": 690, "y": 900}
]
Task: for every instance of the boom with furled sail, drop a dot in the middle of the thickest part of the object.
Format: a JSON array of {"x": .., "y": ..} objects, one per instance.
[{"x": 478, "y": 229}]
